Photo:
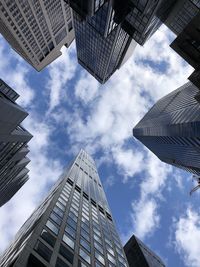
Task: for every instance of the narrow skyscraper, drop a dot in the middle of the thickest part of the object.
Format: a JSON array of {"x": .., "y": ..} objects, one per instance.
[
  {"x": 139, "y": 255},
  {"x": 13, "y": 144},
  {"x": 73, "y": 226},
  {"x": 171, "y": 128},
  {"x": 37, "y": 30}
]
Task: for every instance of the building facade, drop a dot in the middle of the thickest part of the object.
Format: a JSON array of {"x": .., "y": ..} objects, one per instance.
[
  {"x": 102, "y": 45},
  {"x": 13, "y": 144},
  {"x": 171, "y": 128},
  {"x": 37, "y": 30},
  {"x": 72, "y": 227},
  {"x": 139, "y": 255}
]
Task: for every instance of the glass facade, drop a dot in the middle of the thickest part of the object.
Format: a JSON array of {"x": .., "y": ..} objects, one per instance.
[
  {"x": 171, "y": 128},
  {"x": 73, "y": 226},
  {"x": 139, "y": 255},
  {"x": 13, "y": 144}
]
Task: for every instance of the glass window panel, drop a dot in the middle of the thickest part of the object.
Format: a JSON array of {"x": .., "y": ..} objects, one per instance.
[
  {"x": 68, "y": 241},
  {"x": 111, "y": 259},
  {"x": 85, "y": 244},
  {"x": 58, "y": 211},
  {"x": 66, "y": 253},
  {"x": 55, "y": 218},
  {"x": 52, "y": 227},
  {"x": 98, "y": 247},
  {"x": 59, "y": 205},
  {"x": 85, "y": 235},
  {"x": 71, "y": 222},
  {"x": 73, "y": 216},
  {"x": 99, "y": 257},
  {"x": 50, "y": 239},
  {"x": 85, "y": 256},
  {"x": 43, "y": 251},
  {"x": 61, "y": 263},
  {"x": 70, "y": 231}
]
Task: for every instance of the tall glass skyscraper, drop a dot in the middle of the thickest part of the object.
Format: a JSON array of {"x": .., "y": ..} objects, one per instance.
[
  {"x": 171, "y": 128},
  {"x": 13, "y": 144},
  {"x": 73, "y": 226}
]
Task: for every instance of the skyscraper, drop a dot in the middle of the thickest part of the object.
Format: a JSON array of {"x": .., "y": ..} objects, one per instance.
[
  {"x": 37, "y": 29},
  {"x": 102, "y": 45},
  {"x": 139, "y": 255},
  {"x": 13, "y": 144},
  {"x": 171, "y": 128},
  {"x": 73, "y": 226},
  {"x": 187, "y": 45}
]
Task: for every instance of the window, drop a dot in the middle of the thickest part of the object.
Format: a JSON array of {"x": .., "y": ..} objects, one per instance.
[
  {"x": 73, "y": 216},
  {"x": 70, "y": 231},
  {"x": 68, "y": 241},
  {"x": 52, "y": 227},
  {"x": 98, "y": 247},
  {"x": 85, "y": 235},
  {"x": 51, "y": 240},
  {"x": 55, "y": 218},
  {"x": 85, "y": 227},
  {"x": 59, "y": 205},
  {"x": 61, "y": 263},
  {"x": 99, "y": 257},
  {"x": 58, "y": 211},
  {"x": 71, "y": 222},
  {"x": 66, "y": 254},
  {"x": 111, "y": 259},
  {"x": 85, "y": 244},
  {"x": 43, "y": 251},
  {"x": 84, "y": 255},
  {"x": 33, "y": 261}
]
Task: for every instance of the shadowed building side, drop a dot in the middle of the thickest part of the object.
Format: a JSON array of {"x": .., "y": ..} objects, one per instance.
[
  {"x": 171, "y": 128},
  {"x": 13, "y": 144},
  {"x": 139, "y": 255}
]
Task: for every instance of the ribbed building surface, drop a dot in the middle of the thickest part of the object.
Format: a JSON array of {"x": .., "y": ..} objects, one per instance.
[
  {"x": 13, "y": 144},
  {"x": 139, "y": 255},
  {"x": 171, "y": 128},
  {"x": 37, "y": 29},
  {"x": 73, "y": 226}
]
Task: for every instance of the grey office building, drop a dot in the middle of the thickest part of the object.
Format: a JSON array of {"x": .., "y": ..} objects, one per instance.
[
  {"x": 13, "y": 144},
  {"x": 171, "y": 128},
  {"x": 139, "y": 255},
  {"x": 37, "y": 29},
  {"x": 73, "y": 226}
]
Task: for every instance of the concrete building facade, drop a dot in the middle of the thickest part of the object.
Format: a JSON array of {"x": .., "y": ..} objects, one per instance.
[{"x": 37, "y": 30}]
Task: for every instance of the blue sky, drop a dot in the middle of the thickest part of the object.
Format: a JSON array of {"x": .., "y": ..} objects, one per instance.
[{"x": 68, "y": 110}]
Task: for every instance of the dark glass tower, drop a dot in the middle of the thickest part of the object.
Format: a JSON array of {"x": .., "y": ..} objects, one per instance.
[
  {"x": 73, "y": 226},
  {"x": 107, "y": 32},
  {"x": 102, "y": 45},
  {"x": 139, "y": 255},
  {"x": 171, "y": 128},
  {"x": 13, "y": 144}
]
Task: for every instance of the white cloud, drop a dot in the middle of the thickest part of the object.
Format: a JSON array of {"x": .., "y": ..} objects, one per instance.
[
  {"x": 44, "y": 171},
  {"x": 61, "y": 71},
  {"x": 15, "y": 74},
  {"x": 145, "y": 217},
  {"x": 187, "y": 237}
]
